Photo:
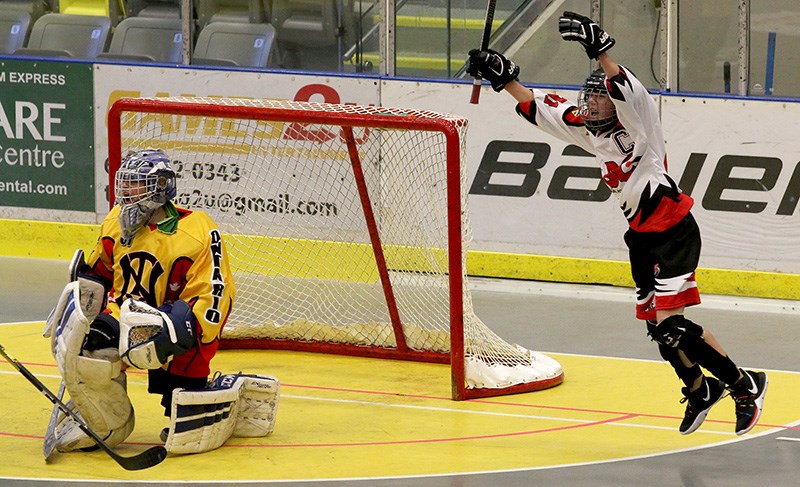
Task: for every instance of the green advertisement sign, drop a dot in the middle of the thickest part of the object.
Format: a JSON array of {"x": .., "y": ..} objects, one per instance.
[{"x": 46, "y": 135}]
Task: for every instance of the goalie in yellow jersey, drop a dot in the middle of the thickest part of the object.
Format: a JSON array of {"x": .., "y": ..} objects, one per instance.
[{"x": 154, "y": 294}]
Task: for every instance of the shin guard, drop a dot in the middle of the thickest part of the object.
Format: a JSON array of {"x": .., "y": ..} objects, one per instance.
[{"x": 687, "y": 336}]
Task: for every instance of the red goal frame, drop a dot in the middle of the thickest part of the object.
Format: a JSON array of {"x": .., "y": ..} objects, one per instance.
[{"x": 391, "y": 119}]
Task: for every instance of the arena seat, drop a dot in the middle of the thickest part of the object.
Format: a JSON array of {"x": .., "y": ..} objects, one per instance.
[
  {"x": 147, "y": 39},
  {"x": 154, "y": 8},
  {"x": 312, "y": 23},
  {"x": 242, "y": 11},
  {"x": 65, "y": 35},
  {"x": 13, "y": 30},
  {"x": 313, "y": 33},
  {"x": 234, "y": 44},
  {"x": 34, "y": 9}
]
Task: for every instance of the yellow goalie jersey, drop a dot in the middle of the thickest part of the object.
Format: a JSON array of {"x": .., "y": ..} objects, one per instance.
[{"x": 181, "y": 258}]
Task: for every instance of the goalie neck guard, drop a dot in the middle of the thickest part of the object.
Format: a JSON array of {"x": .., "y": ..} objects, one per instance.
[
  {"x": 594, "y": 105},
  {"x": 144, "y": 182}
]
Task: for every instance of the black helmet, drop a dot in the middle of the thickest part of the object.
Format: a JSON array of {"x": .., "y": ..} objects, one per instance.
[{"x": 596, "y": 118}]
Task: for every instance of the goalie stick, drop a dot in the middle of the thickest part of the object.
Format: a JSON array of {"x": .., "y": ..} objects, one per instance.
[
  {"x": 50, "y": 437},
  {"x": 146, "y": 459},
  {"x": 487, "y": 31}
]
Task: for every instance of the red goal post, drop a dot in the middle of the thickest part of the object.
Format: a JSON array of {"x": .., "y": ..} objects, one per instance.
[{"x": 346, "y": 226}]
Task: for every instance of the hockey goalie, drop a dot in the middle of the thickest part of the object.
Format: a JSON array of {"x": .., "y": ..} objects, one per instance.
[{"x": 154, "y": 294}]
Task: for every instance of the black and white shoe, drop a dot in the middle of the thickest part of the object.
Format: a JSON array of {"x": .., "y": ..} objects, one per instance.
[
  {"x": 748, "y": 393},
  {"x": 699, "y": 402}
]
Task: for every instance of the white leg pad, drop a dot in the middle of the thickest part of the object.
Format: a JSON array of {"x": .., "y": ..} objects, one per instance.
[
  {"x": 91, "y": 296},
  {"x": 258, "y": 406},
  {"x": 104, "y": 405},
  {"x": 97, "y": 388},
  {"x": 233, "y": 405},
  {"x": 68, "y": 435}
]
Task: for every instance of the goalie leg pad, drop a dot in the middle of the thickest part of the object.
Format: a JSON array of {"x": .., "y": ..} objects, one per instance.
[
  {"x": 93, "y": 379},
  {"x": 93, "y": 292},
  {"x": 90, "y": 296},
  {"x": 232, "y": 405},
  {"x": 201, "y": 420},
  {"x": 99, "y": 394},
  {"x": 106, "y": 409},
  {"x": 258, "y": 406},
  {"x": 68, "y": 435},
  {"x": 66, "y": 313}
]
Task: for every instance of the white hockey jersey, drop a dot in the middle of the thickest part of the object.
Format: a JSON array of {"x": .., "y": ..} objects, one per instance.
[{"x": 632, "y": 155}]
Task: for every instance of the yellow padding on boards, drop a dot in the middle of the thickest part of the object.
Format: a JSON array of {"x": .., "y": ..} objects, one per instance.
[
  {"x": 53, "y": 240},
  {"x": 45, "y": 240},
  {"x": 773, "y": 285}
]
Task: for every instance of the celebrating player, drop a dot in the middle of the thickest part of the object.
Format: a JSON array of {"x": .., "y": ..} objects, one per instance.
[
  {"x": 170, "y": 291},
  {"x": 618, "y": 122}
]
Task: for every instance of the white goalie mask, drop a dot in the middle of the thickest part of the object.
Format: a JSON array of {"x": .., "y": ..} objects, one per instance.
[{"x": 144, "y": 182}]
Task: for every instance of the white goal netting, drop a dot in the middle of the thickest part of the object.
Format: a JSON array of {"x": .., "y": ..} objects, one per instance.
[{"x": 343, "y": 224}]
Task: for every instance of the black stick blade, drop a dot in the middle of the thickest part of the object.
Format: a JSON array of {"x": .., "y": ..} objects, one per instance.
[{"x": 148, "y": 458}]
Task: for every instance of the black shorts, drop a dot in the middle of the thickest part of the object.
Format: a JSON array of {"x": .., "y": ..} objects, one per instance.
[
  {"x": 663, "y": 267},
  {"x": 162, "y": 382}
]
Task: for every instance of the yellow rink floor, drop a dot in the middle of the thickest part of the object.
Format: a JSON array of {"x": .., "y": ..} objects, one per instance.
[{"x": 345, "y": 417}]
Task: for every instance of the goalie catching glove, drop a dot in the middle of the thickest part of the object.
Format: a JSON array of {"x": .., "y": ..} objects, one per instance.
[
  {"x": 576, "y": 27},
  {"x": 493, "y": 67},
  {"x": 150, "y": 337}
]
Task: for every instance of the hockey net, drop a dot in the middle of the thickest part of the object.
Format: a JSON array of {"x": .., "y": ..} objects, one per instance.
[{"x": 346, "y": 227}]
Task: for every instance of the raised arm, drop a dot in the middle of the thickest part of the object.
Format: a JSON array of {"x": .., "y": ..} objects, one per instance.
[
  {"x": 610, "y": 67},
  {"x": 519, "y": 92}
]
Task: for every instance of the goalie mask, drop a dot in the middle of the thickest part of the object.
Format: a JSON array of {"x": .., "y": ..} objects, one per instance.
[
  {"x": 594, "y": 105},
  {"x": 144, "y": 182}
]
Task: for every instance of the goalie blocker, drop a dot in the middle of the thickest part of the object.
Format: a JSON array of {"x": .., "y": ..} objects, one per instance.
[{"x": 239, "y": 405}]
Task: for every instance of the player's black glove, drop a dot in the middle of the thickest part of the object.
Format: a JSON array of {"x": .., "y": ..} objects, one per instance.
[
  {"x": 493, "y": 67},
  {"x": 576, "y": 27}
]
